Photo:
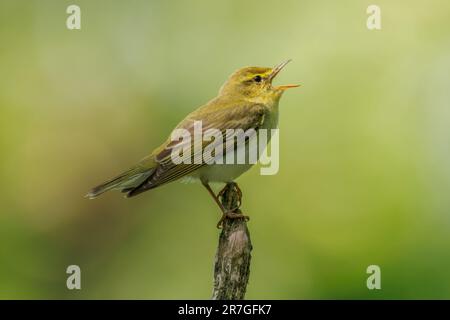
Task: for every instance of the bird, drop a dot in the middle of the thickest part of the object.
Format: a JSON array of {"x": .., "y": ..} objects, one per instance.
[{"x": 247, "y": 100}]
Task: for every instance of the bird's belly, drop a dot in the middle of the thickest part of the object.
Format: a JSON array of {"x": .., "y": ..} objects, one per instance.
[{"x": 221, "y": 172}]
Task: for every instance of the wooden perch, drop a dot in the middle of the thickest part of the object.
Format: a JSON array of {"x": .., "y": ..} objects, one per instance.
[{"x": 232, "y": 262}]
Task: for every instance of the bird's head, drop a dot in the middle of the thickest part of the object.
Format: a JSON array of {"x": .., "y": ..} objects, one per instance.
[{"x": 255, "y": 83}]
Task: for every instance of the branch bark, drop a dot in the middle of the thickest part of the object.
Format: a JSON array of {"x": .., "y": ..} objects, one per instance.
[{"x": 232, "y": 261}]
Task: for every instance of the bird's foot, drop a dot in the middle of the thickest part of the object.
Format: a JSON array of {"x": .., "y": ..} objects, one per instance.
[{"x": 231, "y": 215}]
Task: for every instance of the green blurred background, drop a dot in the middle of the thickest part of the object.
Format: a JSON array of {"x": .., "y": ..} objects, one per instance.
[{"x": 364, "y": 166}]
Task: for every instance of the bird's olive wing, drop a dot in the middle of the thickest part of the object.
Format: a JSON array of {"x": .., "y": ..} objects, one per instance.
[{"x": 237, "y": 116}]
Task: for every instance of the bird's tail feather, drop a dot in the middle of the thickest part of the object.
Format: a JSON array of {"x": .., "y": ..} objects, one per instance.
[{"x": 123, "y": 182}]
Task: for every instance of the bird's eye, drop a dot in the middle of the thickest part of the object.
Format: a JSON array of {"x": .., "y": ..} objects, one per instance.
[{"x": 257, "y": 78}]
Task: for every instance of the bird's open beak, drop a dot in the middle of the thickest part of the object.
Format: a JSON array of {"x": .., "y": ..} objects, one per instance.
[{"x": 277, "y": 70}]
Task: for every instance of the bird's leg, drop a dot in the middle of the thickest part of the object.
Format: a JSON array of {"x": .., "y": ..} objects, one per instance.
[
  {"x": 226, "y": 213},
  {"x": 216, "y": 198}
]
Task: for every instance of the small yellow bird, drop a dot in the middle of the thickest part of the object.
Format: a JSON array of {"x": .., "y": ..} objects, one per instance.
[{"x": 246, "y": 101}]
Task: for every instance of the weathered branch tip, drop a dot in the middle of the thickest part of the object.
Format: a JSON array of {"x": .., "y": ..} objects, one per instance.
[{"x": 232, "y": 261}]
